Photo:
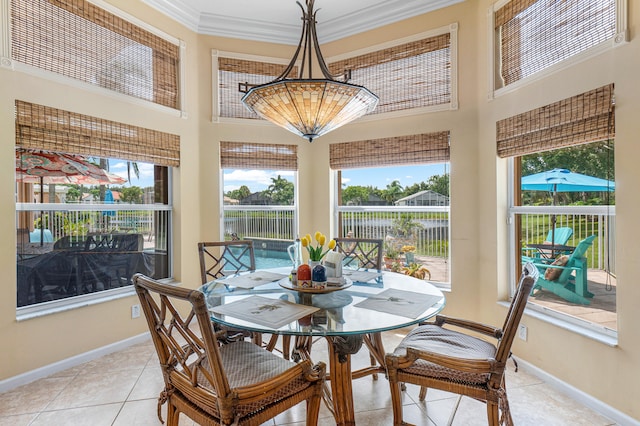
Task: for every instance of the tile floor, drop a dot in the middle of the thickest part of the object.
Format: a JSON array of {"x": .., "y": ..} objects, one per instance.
[{"x": 120, "y": 389}]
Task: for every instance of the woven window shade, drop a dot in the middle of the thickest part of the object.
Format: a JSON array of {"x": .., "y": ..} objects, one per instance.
[
  {"x": 233, "y": 71},
  {"x": 411, "y": 75},
  {"x": 551, "y": 31},
  {"x": 51, "y": 129},
  {"x": 588, "y": 117},
  {"x": 247, "y": 155},
  {"x": 394, "y": 151},
  {"x": 79, "y": 40}
]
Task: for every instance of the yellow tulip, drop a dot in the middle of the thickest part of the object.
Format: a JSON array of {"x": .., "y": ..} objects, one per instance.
[
  {"x": 322, "y": 239},
  {"x": 317, "y": 236},
  {"x": 332, "y": 244},
  {"x": 304, "y": 241},
  {"x": 308, "y": 237}
]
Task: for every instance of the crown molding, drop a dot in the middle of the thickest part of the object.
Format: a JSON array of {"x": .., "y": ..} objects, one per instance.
[{"x": 376, "y": 15}]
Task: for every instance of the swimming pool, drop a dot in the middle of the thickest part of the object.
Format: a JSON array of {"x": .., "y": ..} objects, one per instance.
[{"x": 271, "y": 259}]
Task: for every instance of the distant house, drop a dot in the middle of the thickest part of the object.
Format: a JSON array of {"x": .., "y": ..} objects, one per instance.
[
  {"x": 229, "y": 200},
  {"x": 373, "y": 200},
  {"x": 424, "y": 198},
  {"x": 256, "y": 199}
]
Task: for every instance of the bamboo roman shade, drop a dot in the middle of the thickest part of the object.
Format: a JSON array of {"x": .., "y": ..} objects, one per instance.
[
  {"x": 231, "y": 72},
  {"x": 588, "y": 117},
  {"x": 535, "y": 34},
  {"x": 407, "y": 76},
  {"x": 51, "y": 129},
  {"x": 79, "y": 40},
  {"x": 394, "y": 151},
  {"x": 248, "y": 155}
]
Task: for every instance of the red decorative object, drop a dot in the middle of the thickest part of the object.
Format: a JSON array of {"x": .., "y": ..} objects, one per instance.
[{"x": 304, "y": 275}]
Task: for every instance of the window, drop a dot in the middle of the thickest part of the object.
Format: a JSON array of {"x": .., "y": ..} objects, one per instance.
[
  {"x": 83, "y": 227},
  {"x": 235, "y": 71},
  {"x": 415, "y": 74},
  {"x": 400, "y": 195},
  {"x": 563, "y": 204},
  {"x": 533, "y": 35},
  {"x": 80, "y": 40},
  {"x": 260, "y": 198}
]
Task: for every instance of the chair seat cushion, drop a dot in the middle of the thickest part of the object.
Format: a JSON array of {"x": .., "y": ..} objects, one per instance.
[
  {"x": 451, "y": 343},
  {"x": 247, "y": 364}
]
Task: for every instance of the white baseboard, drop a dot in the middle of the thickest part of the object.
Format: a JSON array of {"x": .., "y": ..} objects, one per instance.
[
  {"x": 583, "y": 398},
  {"x": 47, "y": 370}
]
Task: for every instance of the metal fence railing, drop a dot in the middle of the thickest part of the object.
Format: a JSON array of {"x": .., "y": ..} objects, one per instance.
[{"x": 535, "y": 227}]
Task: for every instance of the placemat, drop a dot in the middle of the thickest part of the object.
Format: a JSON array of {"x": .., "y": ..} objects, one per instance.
[
  {"x": 272, "y": 313},
  {"x": 360, "y": 276},
  {"x": 399, "y": 302},
  {"x": 252, "y": 279}
]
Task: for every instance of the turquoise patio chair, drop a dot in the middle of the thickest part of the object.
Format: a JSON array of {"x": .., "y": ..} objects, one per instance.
[
  {"x": 567, "y": 276},
  {"x": 559, "y": 237}
]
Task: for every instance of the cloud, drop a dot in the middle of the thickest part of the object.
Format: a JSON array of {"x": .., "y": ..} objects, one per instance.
[{"x": 256, "y": 180}]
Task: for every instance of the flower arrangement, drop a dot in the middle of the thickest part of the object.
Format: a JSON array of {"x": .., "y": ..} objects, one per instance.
[
  {"x": 408, "y": 249},
  {"x": 315, "y": 253}
]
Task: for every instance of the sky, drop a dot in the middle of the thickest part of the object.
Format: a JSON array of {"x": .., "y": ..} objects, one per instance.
[{"x": 259, "y": 180}]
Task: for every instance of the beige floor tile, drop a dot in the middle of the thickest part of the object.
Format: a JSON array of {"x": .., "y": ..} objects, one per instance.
[
  {"x": 133, "y": 358},
  {"x": 93, "y": 389},
  {"x": 542, "y": 404},
  {"x": 97, "y": 415},
  {"x": 149, "y": 384},
  {"x": 139, "y": 413},
  {"x": 33, "y": 397},
  {"x": 18, "y": 420}
]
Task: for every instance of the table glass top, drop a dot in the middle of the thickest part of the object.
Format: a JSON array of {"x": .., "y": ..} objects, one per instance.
[{"x": 387, "y": 302}]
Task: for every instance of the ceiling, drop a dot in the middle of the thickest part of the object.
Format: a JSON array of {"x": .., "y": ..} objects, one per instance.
[{"x": 279, "y": 21}]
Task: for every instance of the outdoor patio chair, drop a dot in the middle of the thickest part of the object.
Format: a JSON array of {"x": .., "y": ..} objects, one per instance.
[
  {"x": 567, "y": 276},
  {"x": 238, "y": 383},
  {"x": 559, "y": 237},
  {"x": 432, "y": 356},
  {"x": 360, "y": 252}
]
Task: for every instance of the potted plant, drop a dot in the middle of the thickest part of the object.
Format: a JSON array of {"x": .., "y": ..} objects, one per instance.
[
  {"x": 417, "y": 270},
  {"x": 392, "y": 254},
  {"x": 409, "y": 253}
]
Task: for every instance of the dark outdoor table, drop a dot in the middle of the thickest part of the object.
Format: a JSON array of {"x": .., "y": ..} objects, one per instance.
[{"x": 550, "y": 251}]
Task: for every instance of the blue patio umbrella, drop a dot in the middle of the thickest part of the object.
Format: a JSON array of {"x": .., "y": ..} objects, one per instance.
[{"x": 563, "y": 180}]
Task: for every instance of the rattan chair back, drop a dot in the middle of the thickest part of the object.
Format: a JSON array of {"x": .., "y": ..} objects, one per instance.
[
  {"x": 433, "y": 356},
  {"x": 238, "y": 383},
  {"x": 361, "y": 252},
  {"x": 221, "y": 258}
]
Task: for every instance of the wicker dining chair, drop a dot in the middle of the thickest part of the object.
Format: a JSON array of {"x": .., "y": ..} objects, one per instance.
[
  {"x": 360, "y": 252},
  {"x": 220, "y": 258},
  {"x": 237, "y": 383},
  {"x": 432, "y": 356}
]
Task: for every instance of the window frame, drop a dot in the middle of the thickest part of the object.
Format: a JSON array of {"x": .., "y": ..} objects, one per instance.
[
  {"x": 621, "y": 37},
  {"x": 6, "y": 61},
  {"x": 587, "y": 329},
  {"x": 74, "y": 302}
]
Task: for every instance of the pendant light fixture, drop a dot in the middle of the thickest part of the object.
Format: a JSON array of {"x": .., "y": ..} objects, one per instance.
[{"x": 308, "y": 106}]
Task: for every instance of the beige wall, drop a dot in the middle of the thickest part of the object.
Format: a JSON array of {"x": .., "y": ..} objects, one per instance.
[{"x": 478, "y": 193}]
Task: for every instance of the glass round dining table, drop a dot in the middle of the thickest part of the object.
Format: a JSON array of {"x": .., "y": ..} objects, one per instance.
[{"x": 348, "y": 316}]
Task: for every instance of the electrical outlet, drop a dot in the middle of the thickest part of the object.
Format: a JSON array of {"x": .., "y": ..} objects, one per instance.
[
  {"x": 522, "y": 332},
  {"x": 135, "y": 311}
]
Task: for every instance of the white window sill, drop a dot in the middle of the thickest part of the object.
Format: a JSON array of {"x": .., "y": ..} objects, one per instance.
[{"x": 575, "y": 325}]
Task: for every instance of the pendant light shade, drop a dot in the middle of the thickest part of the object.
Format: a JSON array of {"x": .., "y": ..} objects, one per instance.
[{"x": 306, "y": 106}]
